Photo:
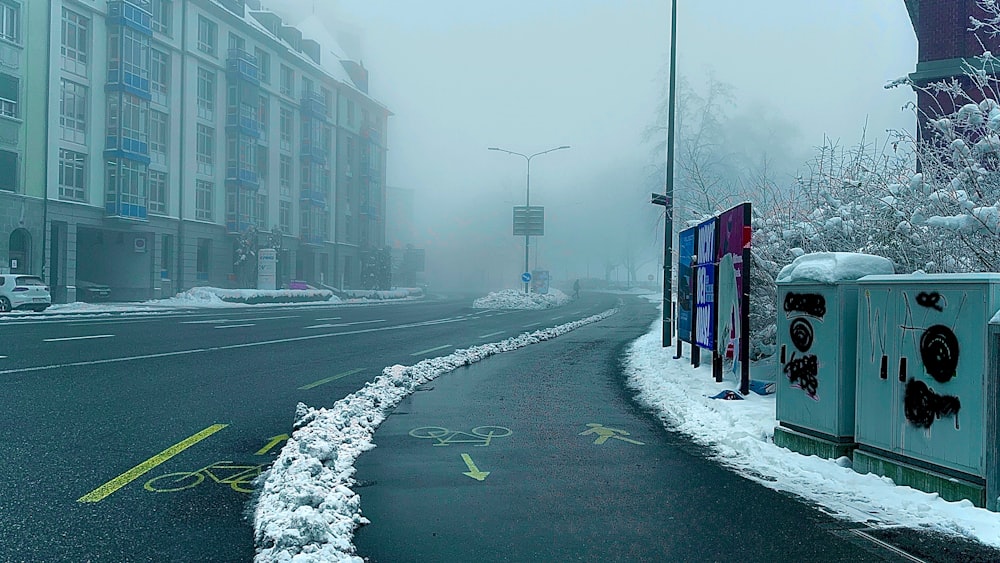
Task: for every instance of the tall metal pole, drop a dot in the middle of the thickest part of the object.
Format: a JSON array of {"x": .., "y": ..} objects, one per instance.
[
  {"x": 668, "y": 229},
  {"x": 527, "y": 203}
]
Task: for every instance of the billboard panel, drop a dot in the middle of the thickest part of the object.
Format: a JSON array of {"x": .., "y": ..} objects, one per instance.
[
  {"x": 734, "y": 235},
  {"x": 685, "y": 281},
  {"x": 704, "y": 302}
]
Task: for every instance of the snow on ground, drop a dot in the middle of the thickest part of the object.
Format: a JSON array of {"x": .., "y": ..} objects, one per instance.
[
  {"x": 517, "y": 299},
  {"x": 306, "y": 511},
  {"x": 740, "y": 434}
]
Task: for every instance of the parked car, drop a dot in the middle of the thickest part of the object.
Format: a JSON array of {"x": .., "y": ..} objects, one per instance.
[
  {"x": 92, "y": 291},
  {"x": 23, "y": 292}
]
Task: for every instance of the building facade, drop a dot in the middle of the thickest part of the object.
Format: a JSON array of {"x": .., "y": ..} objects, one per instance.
[{"x": 176, "y": 132}]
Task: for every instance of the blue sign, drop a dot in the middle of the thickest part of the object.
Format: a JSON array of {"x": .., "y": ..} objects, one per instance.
[
  {"x": 704, "y": 301},
  {"x": 526, "y": 277},
  {"x": 685, "y": 284}
]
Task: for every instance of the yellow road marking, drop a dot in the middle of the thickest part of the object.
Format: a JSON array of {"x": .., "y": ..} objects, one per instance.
[
  {"x": 274, "y": 442},
  {"x": 331, "y": 378},
  {"x": 473, "y": 471},
  {"x": 105, "y": 490}
]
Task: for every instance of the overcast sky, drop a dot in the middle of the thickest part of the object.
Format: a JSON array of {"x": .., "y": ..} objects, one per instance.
[{"x": 528, "y": 75}]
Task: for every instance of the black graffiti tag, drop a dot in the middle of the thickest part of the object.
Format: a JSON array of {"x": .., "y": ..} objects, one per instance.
[
  {"x": 923, "y": 406},
  {"x": 811, "y": 304},
  {"x": 939, "y": 352},
  {"x": 802, "y": 373},
  {"x": 930, "y": 300},
  {"x": 801, "y": 333}
]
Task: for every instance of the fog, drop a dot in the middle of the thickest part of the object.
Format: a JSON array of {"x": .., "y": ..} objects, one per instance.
[{"x": 530, "y": 75}]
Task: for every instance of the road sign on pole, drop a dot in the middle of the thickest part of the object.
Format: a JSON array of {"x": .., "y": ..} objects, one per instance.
[
  {"x": 526, "y": 277},
  {"x": 529, "y": 220}
]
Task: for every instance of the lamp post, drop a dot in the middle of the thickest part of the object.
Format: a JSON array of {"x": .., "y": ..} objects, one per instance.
[{"x": 527, "y": 193}]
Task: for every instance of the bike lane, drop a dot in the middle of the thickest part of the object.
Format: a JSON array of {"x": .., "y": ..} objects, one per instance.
[{"x": 539, "y": 454}]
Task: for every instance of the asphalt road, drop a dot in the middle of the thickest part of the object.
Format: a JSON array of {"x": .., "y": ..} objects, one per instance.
[
  {"x": 135, "y": 438},
  {"x": 95, "y": 407}
]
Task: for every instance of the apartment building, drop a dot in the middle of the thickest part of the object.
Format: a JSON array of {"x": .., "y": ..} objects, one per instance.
[{"x": 171, "y": 130}]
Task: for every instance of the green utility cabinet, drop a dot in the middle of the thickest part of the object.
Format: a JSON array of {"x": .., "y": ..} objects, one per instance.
[
  {"x": 924, "y": 382},
  {"x": 816, "y": 339}
]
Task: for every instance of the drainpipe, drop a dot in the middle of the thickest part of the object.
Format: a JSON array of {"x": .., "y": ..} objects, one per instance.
[
  {"x": 179, "y": 286},
  {"x": 45, "y": 161}
]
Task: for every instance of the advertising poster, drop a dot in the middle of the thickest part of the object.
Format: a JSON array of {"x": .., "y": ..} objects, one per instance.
[
  {"x": 734, "y": 235},
  {"x": 685, "y": 295},
  {"x": 704, "y": 271}
]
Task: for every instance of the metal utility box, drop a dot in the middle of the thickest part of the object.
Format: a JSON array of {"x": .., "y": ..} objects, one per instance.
[
  {"x": 926, "y": 389},
  {"x": 816, "y": 339}
]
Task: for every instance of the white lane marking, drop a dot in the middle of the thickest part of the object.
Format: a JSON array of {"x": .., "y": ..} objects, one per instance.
[
  {"x": 236, "y": 326},
  {"x": 214, "y": 348},
  {"x": 531, "y": 325},
  {"x": 237, "y": 320},
  {"x": 330, "y": 319},
  {"x": 556, "y": 318},
  {"x": 493, "y": 334},
  {"x": 435, "y": 349},
  {"x": 3, "y": 357},
  {"x": 78, "y": 338},
  {"x": 345, "y": 324}
]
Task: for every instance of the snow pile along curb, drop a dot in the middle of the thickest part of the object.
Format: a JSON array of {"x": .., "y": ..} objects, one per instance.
[{"x": 306, "y": 509}]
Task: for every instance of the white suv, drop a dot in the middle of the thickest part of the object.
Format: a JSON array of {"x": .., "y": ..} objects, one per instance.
[{"x": 23, "y": 292}]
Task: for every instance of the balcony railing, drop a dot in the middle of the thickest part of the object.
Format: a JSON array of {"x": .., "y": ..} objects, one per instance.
[
  {"x": 313, "y": 150},
  {"x": 244, "y": 119},
  {"x": 241, "y": 64},
  {"x": 246, "y": 177},
  {"x": 314, "y": 197},
  {"x": 314, "y": 104}
]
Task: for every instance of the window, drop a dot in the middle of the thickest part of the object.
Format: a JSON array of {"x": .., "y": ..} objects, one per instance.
[
  {"x": 203, "y": 203},
  {"x": 262, "y": 116},
  {"x": 350, "y": 112},
  {"x": 285, "y": 175},
  {"x": 328, "y": 101},
  {"x": 285, "y": 216},
  {"x": 73, "y": 112},
  {"x": 263, "y": 65},
  {"x": 75, "y": 42},
  {"x": 307, "y": 86},
  {"x": 261, "y": 214},
  {"x": 9, "y": 95},
  {"x": 134, "y": 115},
  {"x": 72, "y": 175},
  {"x": 262, "y": 166},
  {"x": 159, "y": 75},
  {"x": 128, "y": 51},
  {"x": 10, "y": 21},
  {"x": 157, "y": 192},
  {"x": 161, "y": 10},
  {"x": 206, "y": 94},
  {"x": 126, "y": 182},
  {"x": 207, "y": 35},
  {"x": 205, "y": 149},
  {"x": 203, "y": 258},
  {"x": 8, "y": 171},
  {"x": 158, "y": 135},
  {"x": 285, "y": 128},
  {"x": 237, "y": 42},
  {"x": 287, "y": 78}
]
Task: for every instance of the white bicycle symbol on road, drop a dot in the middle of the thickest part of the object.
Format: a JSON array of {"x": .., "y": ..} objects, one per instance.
[{"x": 479, "y": 436}]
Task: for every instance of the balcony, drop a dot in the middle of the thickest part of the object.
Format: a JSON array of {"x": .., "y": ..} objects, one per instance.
[
  {"x": 313, "y": 151},
  {"x": 243, "y": 119},
  {"x": 369, "y": 211},
  {"x": 307, "y": 237},
  {"x": 313, "y": 104},
  {"x": 372, "y": 134},
  {"x": 241, "y": 65},
  {"x": 314, "y": 197},
  {"x": 244, "y": 177},
  {"x": 131, "y": 13},
  {"x": 120, "y": 146},
  {"x": 234, "y": 228},
  {"x": 120, "y": 80},
  {"x": 118, "y": 209}
]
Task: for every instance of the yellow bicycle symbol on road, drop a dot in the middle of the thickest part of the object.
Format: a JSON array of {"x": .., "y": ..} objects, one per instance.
[
  {"x": 224, "y": 472},
  {"x": 479, "y": 436}
]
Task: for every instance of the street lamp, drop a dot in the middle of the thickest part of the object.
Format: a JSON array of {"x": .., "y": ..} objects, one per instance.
[{"x": 527, "y": 193}]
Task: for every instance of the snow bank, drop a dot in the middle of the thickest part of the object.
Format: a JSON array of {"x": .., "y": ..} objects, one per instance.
[
  {"x": 831, "y": 267},
  {"x": 517, "y": 299},
  {"x": 306, "y": 511},
  {"x": 741, "y": 433}
]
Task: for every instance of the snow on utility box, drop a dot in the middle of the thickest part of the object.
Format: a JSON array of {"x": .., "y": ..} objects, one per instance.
[
  {"x": 817, "y": 334},
  {"x": 927, "y": 392}
]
